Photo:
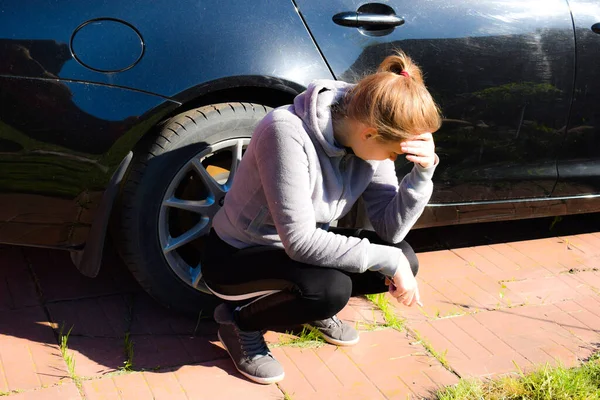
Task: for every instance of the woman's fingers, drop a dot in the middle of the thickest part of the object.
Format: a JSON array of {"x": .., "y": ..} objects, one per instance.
[
  {"x": 394, "y": 291},
  {"x": 423, "y": 136},
  {"x": 418, "y": 148},
  {"x": 417, "y": 151},
  {"x": 420, "y": 151},
  {"x": 418, "y": 298},
  {"x": 405, "y": 284},
  {"x": 408, "y": 298},
  {"x": 418, "y": 159},
  {"x": 416, "y": 143}
]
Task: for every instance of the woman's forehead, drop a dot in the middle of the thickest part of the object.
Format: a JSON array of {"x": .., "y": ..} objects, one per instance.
[{"x": 395, "y": 145}]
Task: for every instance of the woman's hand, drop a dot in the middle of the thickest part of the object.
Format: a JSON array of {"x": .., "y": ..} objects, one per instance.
[
  {"x": 420, "y": 149},
  {"x": 403, "y": 285}
]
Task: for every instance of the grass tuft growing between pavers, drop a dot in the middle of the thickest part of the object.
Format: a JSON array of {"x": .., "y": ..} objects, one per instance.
[
  {"x": 128, "y": 347},
  {"x": 2, "y": 394},
  {"x": 546, "y": 383},
  {"x": 390, "y": 317},
  {"x": 69, "y": 357},
  {"x": 64, "y": 351},
  {"x": 393, "y": 321},
  {"x": 307, "y": 338},
  {"x": 441, "y": 357}
]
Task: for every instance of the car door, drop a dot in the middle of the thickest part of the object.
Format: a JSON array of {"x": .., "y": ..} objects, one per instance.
[
  {"x": 579, "y": 158},
  {"x": 502, "y": 71}
]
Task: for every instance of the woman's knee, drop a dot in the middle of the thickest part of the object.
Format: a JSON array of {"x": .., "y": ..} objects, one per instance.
[
  {"x": 330, "y": 293},
  {"x": 410, "y": 255}
]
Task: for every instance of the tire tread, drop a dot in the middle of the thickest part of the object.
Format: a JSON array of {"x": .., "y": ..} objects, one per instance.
[{"x": 128, "y": 243}]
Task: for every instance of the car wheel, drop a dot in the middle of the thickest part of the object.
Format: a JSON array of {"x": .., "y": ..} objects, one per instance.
[{"x": 176, "y": 184}]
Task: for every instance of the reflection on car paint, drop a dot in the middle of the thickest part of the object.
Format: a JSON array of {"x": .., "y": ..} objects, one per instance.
[{"x": 503, "y": 72}]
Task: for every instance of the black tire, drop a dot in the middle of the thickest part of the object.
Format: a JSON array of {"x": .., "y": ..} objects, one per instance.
[{"x": 156, "y": 164}]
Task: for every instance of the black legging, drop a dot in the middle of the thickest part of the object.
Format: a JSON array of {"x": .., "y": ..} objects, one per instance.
[{"x": 272, "y": 290}]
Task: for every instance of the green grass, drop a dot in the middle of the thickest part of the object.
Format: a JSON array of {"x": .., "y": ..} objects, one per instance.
[
  {"x": 286, "y": 396},
  {"x": 546, "y": 383},
  {"x": 391, "y": 319},
  {"x": 502, "y": 291},
  {"x": 128, "y": 363},
  {"x": 368, "y": 325},
  {"x": 11, "y": 392},
  {"x": 197, "y": 323},
  {"x": 441, "y": 357},
  {"x": 307, "y": 338},
  {"x": 69, "y": 358},
  {"x": 457, "y": 312},
  {"x": 64, "y": 350}
]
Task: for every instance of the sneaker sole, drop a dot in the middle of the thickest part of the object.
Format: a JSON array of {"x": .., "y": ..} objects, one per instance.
[
  {"x": 331, "y": 340},
  {"x": 257, "y": 379}
]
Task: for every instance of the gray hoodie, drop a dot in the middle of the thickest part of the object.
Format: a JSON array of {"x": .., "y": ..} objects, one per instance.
[{"x": 294, "y": 180}]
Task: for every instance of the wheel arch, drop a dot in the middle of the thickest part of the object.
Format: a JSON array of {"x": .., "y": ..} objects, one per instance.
[
  {"x": 272, "y": 92},
  {"x": 252, "y": 89}
]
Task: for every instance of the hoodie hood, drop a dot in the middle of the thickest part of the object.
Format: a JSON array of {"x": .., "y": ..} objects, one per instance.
[{"x": 313, "y": 107}]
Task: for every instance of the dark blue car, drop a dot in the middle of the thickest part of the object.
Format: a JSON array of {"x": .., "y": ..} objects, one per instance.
[{"x": 128, "y": 118}]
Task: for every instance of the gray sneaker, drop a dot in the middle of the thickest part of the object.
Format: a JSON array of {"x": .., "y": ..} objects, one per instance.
[
  {"x": 247, "y": 349},
  {"x": 335, "y": 331}
]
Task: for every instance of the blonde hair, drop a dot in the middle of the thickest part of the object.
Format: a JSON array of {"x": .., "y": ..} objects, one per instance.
[{"x": 393, "y": 100}]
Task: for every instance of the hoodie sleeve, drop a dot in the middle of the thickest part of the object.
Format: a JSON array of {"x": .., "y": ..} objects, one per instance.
[
  {"x": 394, "y": 208},
  {"x": 283, "y": 168}
]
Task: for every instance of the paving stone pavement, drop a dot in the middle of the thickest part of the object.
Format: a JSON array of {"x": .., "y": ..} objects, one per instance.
[{"x": 495, "y": 297}]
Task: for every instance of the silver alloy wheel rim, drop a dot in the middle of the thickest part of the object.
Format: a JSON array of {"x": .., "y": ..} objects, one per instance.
[{"x": 206, "y": 208}]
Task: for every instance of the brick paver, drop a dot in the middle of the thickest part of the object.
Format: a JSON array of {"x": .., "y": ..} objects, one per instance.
[
  {"x": 219, "y": 380},
  {"x": 489, "y": 307},
  {"x": 63, "y": 392},
  {"x": 69, "y": 283},
  {"x": 164, "y": 385},
  {"x": 17, "y": 289},
  {"x": 105, "y": 316},
  {"x": 395, "y": 363},
  {"x": 28, "y": 350},
  {"x": 96, "y": 356}
]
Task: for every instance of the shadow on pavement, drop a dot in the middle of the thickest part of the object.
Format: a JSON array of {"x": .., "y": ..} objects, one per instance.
[{"x": 112, "y": 321}]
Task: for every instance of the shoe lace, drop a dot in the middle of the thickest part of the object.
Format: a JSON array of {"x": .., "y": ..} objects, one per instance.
[
  {"x": 253, "y": 344},
  {"x": 333, "y": 322}
]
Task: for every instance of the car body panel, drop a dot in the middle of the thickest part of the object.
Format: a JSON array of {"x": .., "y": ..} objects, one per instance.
[
  {"x": 502, "y": 74},
  {"x": 60, "y": 143},
  {"x": 186, "y": 43},
  {"x": 579, "y": 156},
  {"x": 66, "y": 123},
  {"x": 490, "y": 211}
]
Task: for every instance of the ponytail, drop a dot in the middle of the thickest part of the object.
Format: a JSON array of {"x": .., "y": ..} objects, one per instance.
[
  {"x": 401, "y": 64},
  {"x": 394, "y": 100}
]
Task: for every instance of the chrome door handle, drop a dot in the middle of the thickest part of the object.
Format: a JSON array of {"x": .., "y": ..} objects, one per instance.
[{"x": 354, "y": 19}]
